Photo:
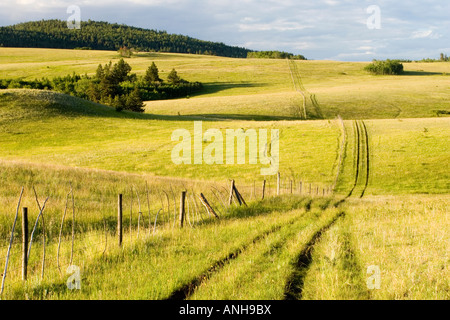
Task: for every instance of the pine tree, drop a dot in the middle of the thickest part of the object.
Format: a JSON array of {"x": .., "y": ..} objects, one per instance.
[
  {"x": 173, "y": 77},
  {"x": 120, "y": 71},
  {"x": 134, "y": 102},
  {"x": 152, "y": 75},
  {"x": 93, "y": 92},
  {"x": 118, "y": 103},
  {"x": 106, "y": 88},
  {"x": 100, "y": 73}
]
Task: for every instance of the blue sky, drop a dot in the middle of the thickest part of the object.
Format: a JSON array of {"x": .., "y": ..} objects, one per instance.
[{"x": 324, "y": 29}]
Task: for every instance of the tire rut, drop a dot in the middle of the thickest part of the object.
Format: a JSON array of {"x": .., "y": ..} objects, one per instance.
[
  {"x": 298, "y": 86},
  {"x": 367, "y": 157},
  {"x": 294, "y": 286},
  {"x": 362, "y": 149},
  {"x": 188, "y": 289}
]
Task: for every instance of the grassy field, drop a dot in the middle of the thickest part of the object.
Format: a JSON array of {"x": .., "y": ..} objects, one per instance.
[
  {"x": 308, "y": 245},
  {"x": 341, "y": 88},
  {"x": 405, "y": 236}
]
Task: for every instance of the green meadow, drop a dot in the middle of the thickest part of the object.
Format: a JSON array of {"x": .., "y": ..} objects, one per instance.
[{"x": 313, "y": 241}]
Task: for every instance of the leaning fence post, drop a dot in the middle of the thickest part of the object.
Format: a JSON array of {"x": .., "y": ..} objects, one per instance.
[
  {"x": 300, "y": 188},
  {"x": 263, "y": 189},
  {"x": 208, "y": 206},
  {"x": 182, "y": 207},
  {"x": 278, "y": 183},
  {"x": 119, "y": 220},
  {"x": 24, "y": 243},
  {"x": 230, "y": 200}
]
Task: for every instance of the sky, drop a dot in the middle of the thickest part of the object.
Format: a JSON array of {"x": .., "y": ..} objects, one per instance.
[{"x": 344, "y": 30}]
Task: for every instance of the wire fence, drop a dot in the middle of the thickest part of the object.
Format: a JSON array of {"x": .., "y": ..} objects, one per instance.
[{"x": 69, "y": 240}]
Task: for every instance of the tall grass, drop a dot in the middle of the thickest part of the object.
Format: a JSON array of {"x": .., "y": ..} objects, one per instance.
[{"x": 405, "y": 236}]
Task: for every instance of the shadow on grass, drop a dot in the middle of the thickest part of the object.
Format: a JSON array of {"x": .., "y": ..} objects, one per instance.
[
  {"x": 421, "y": 73},
  {"x": 252, "y": 117},
  {"x": 282, "y": 203},
  {"x": 214, "y": 87},
  {"x": 51, "y": 104},
  {"x": 47, "y": 104}
]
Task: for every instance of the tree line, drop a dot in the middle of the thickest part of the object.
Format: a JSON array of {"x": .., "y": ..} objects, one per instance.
[
  {"x": 114, "y": 85},
  {"x": 274, "y": 55},
  {"x": 108, "y": 36}
]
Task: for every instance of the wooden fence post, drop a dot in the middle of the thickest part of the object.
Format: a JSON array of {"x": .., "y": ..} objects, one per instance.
[
  {"x": 230, "y": 200},
  {"x": 278, "y": 183},
  {"x": 24, "y": 243},
  {"x": 182, "y": 208},
  {"x": 263, "y": 189},
  {"x": 119, "y": 220},
  {"x": 300, "y": 188},
  {"x": 239, "y": 196},
  {"x": 291, "y": 186},
  {"x": 207, "y": 205}
]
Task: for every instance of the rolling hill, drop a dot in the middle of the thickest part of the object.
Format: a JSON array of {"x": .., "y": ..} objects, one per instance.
[
  {"x": 107, "y": 36},
  {"x": 388, "y": 157}
]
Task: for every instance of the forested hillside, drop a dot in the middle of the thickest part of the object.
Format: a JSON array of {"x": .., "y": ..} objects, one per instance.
[{"x": 107, "y": 36}]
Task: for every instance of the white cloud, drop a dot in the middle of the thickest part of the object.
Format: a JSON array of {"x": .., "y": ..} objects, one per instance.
[
  {"x": 278, "y": 25},
  {"x": 365, "y": 48},
  {"x": 420, "y": 34}
]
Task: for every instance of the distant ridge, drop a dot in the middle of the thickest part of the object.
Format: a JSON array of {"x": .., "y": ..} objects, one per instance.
[{"x": 108, "y": 36}]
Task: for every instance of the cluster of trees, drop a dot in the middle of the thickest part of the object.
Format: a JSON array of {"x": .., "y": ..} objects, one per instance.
[
  {"x": 125, "y": 52},
  {"x": 274, "y": 55},
  {"x": 387, "y": 67},
  {"x": 442, "y": 58},
  {"x": 114, "y": 85},
  {"x": 107, "y": 36}
]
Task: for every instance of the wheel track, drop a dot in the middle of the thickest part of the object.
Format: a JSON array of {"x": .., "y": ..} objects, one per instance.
[
  {"x": 358, "y": 155},
  {"x": 362, "y": 149},
  {"x": 295, "y": 284},
  {"x": 298, "y": 85},
  {"x": 367, "y": 153},
  {"x": 188, "y": 289}
]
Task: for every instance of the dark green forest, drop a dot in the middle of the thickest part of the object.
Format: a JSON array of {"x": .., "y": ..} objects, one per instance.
[{"x": 108, "y": 36}]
